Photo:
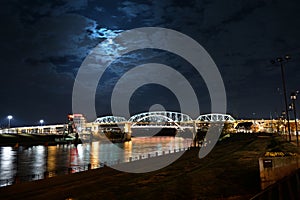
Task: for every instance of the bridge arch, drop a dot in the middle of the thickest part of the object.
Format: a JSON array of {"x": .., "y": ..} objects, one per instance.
[
  {"x": 156, "y": 118},
  {"x": 110, "y": 119},
  {"x": 216, "y": 117},
  {"x": 174, "y": 116}
]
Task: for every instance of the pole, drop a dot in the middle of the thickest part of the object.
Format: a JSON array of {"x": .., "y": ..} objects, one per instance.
[
  {"x": 9, "y": 123},
  {"x": 295, "y": 115},
  {"x": 285, "y": 100}
]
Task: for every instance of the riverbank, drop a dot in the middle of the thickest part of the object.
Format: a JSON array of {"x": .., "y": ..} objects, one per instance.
[
  {"x": 230, "y": 171},
  {"x": 33, "y": 139}
]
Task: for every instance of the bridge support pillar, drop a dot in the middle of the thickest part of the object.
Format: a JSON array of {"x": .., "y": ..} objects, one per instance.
[
  {"x": 127, "y": 131},
  {"x": 194, "y": 131}
]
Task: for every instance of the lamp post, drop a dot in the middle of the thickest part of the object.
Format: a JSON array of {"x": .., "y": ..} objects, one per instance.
[
  {"x": 9, "y": 117},
  {"x": 293, "y": 98},
  {"x": 41, "y": 123},
  {"x": 281, "y": 61},
  {"x": 283, "y": 117}
]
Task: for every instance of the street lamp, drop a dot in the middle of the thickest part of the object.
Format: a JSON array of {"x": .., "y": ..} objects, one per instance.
[
  {"x": 283, "y": 117},
  {"x": 9, "y": 117},
  {"x": 41, "y": 123},
  {"x": 293, "y": 98},
  {"x": 281, "y": 60}
]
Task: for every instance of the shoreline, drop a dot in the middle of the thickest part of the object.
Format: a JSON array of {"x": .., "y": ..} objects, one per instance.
[{"x": 15, "y": 140}]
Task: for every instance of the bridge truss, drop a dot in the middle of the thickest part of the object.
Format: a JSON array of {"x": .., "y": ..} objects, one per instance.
[
  {"x": 172, "y": 116},
  {"x": 215, "y": 117},
  {"x": 159, "y": 119},
  {"x": 110, "y": 119}
]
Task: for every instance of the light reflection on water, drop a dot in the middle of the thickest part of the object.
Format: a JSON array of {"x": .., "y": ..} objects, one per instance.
[{"x": 26, "y": 161}]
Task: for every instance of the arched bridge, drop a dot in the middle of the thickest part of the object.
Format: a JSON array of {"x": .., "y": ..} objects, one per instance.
[
  {"x": 161, "y": 119},
  {"x": 166, "y": 116}
]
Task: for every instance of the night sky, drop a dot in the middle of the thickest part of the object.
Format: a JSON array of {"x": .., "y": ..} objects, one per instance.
[{"x": 44, "y": 42}]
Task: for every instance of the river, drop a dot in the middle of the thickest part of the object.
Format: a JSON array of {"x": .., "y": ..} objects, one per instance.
[{"x": 31, "y": 163}]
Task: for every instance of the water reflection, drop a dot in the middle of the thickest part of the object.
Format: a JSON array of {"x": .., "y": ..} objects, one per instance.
[
  {"x": 6, "y": 161},
  {"x": 36, "y": 160},
  {"x": 51, "y": 158},
  {"x": 94, "y": 148}
]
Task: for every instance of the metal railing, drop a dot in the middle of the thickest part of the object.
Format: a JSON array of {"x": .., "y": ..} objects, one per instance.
[{"x": 287, "y": 188}]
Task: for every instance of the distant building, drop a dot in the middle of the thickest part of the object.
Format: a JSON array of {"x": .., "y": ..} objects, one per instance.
[{"x": 77, "y": 121}]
